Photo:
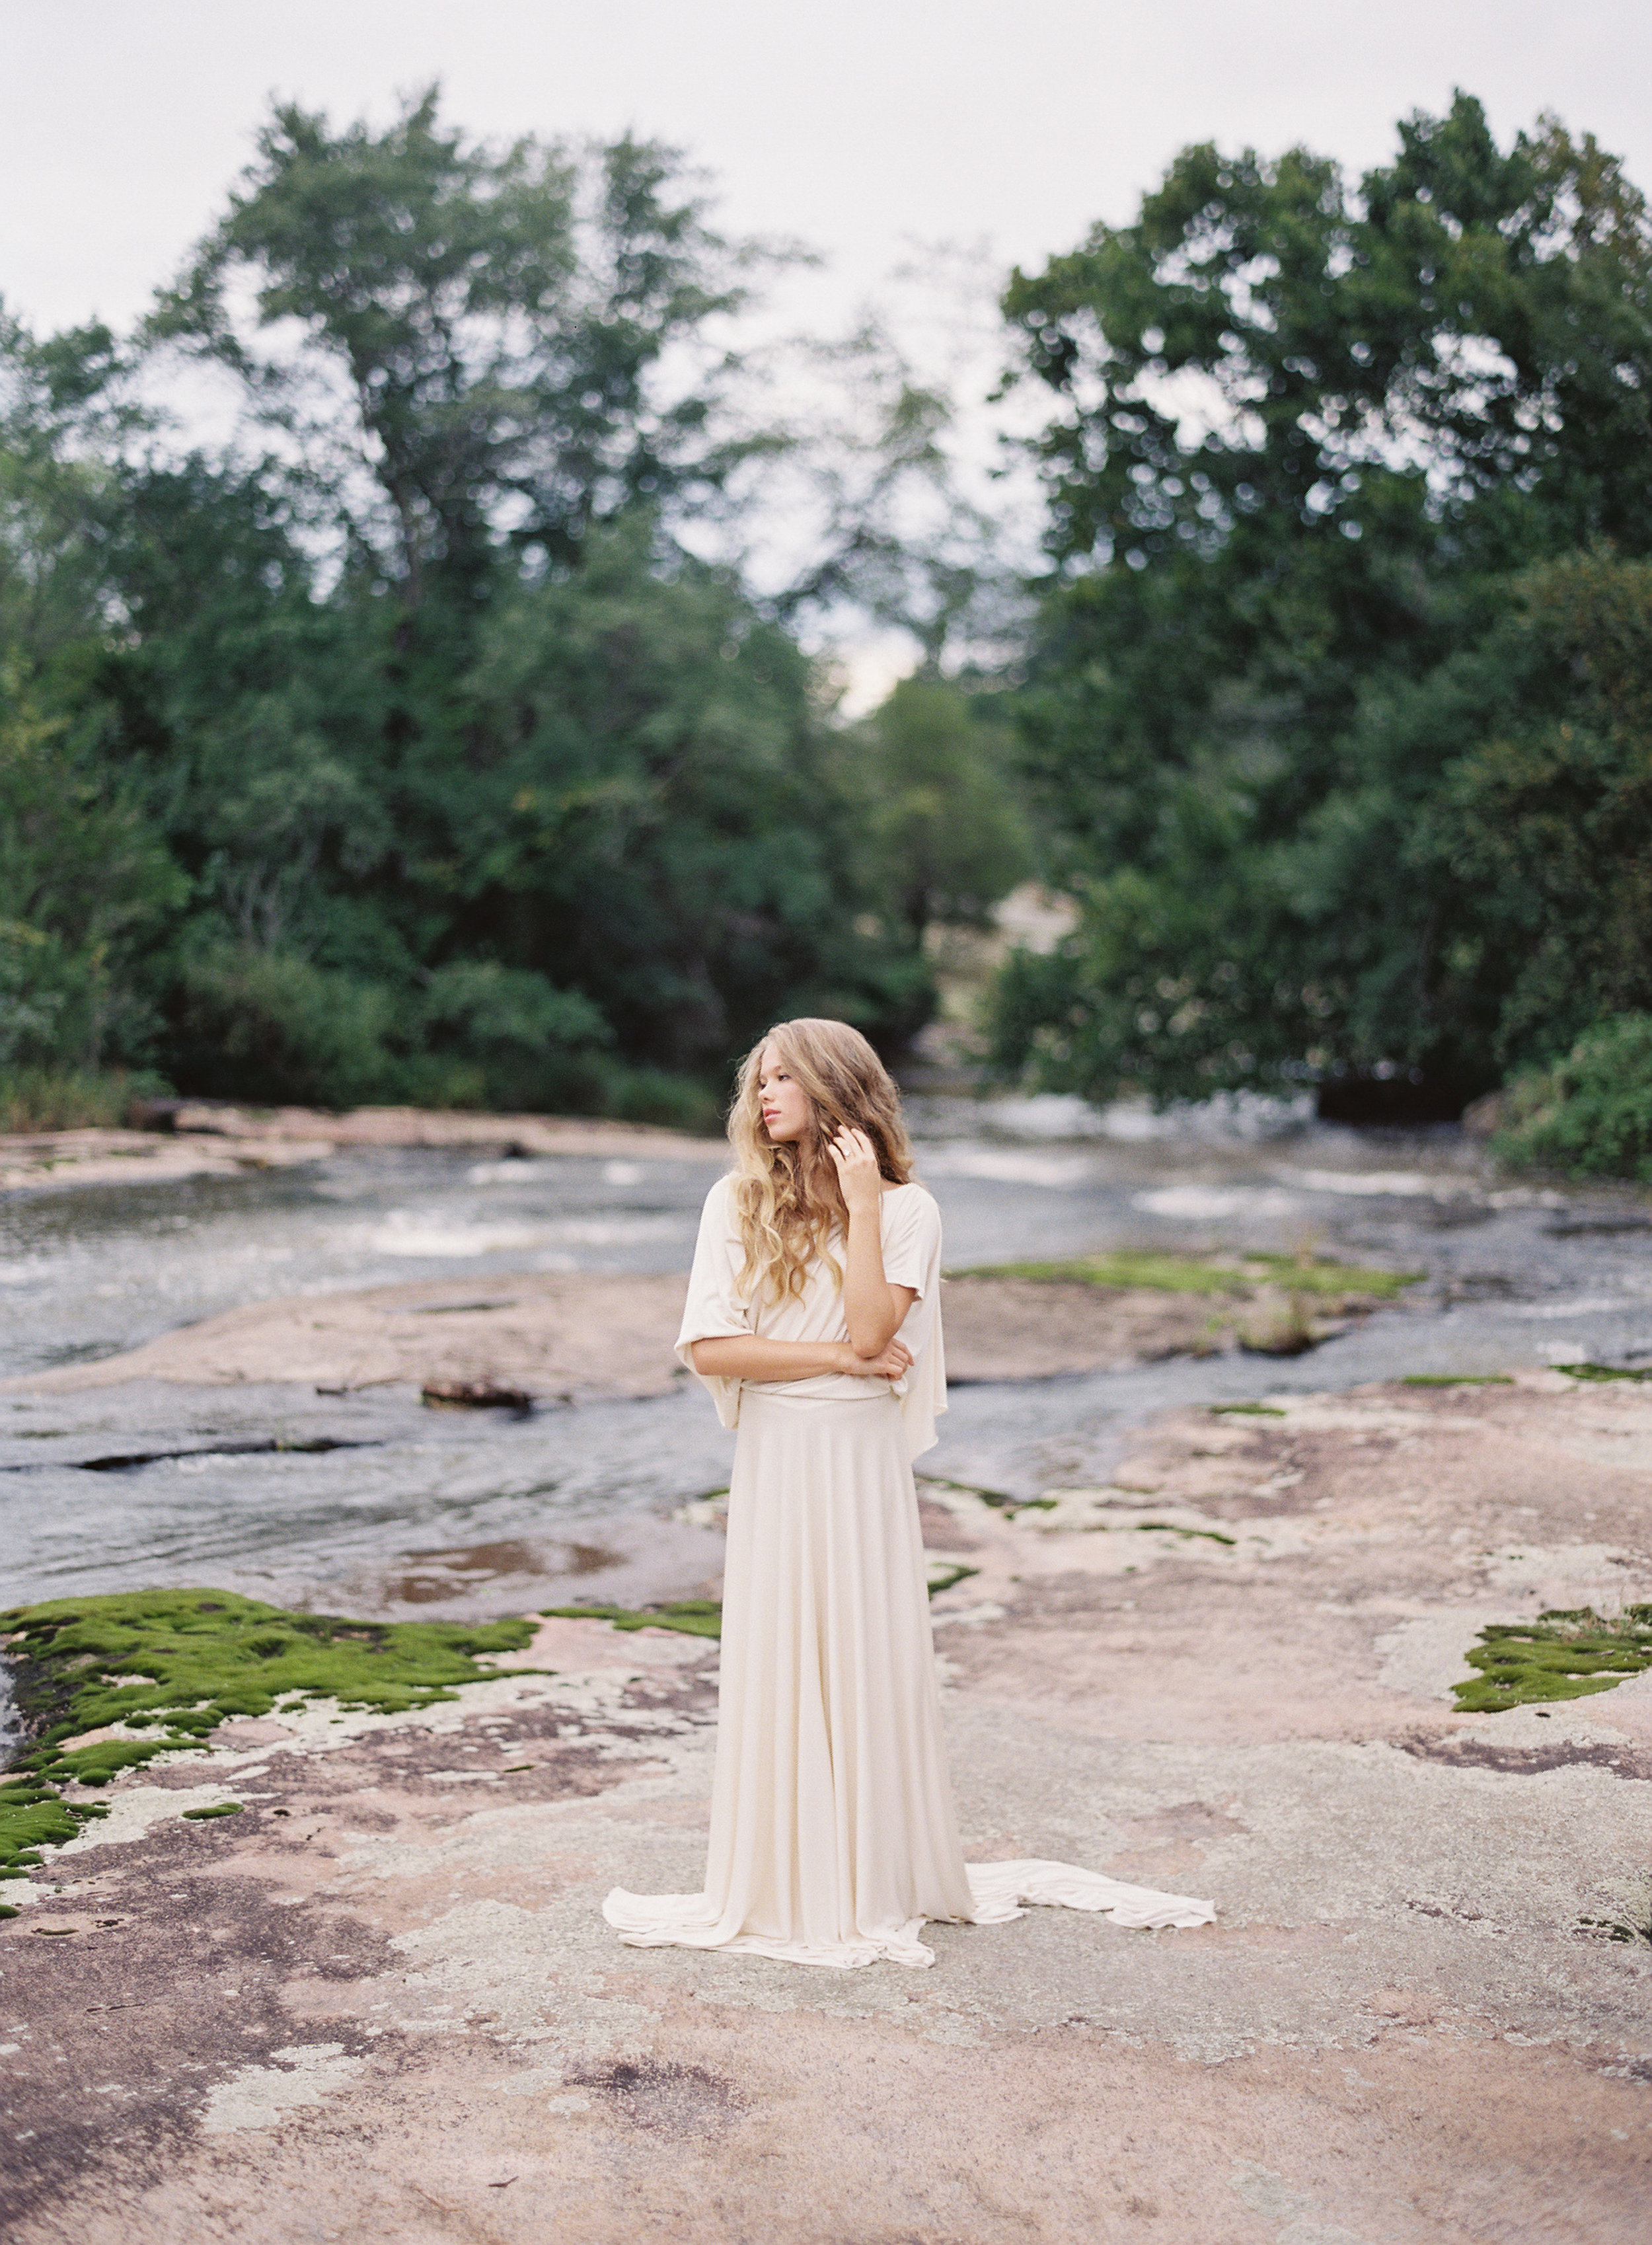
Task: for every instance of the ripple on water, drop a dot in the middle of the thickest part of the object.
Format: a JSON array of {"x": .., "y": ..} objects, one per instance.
[{"x": 457, "y": 1515}]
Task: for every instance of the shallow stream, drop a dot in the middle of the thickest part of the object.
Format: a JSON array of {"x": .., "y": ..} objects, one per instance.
[{"x": 368, "y": 1503}]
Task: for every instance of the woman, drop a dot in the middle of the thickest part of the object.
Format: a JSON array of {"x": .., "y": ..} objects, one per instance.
[{"x": 814, "y": 1318}]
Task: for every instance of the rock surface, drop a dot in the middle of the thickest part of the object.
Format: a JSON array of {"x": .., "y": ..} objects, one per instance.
[
  {"x": 381, "y": 2003},
  {"x": 206, "y": 1140},
  {"x": 586, "y": 1334}
]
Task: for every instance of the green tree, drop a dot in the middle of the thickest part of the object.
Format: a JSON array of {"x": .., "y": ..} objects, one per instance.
[
  {"x": 656, "y": 812},
  {"x": 85, "y": 880},
  {"x": 1546, "y": 824},
  {"x": 402, "y": 749},
  {"x": 1307, "y": 442},
  {"x": 488, "y": 328},
  {"x": 943, "y": 817},
  {"x": 83, "y": 876}
]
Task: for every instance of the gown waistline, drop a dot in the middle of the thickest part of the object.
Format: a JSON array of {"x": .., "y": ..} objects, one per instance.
[{"x": 801, "y": 1397}]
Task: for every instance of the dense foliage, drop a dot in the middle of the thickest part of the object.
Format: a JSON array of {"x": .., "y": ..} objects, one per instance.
[
  {"x": 408, "y": 746},
  {"x": 403, "y": 749},
  {"x": 1592, "y": 1112},
  {"x": 1340, "y": 698}
]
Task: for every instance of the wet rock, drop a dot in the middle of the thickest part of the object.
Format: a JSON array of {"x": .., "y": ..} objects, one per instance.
[{"x": 475, "y": 1395}]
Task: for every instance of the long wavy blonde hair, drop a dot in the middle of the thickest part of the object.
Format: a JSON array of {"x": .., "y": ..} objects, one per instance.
[{"x": 787, "y": 1197}]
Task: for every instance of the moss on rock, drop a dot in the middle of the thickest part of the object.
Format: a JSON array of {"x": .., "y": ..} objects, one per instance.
[
  {"x": 1565, "y": 1654},
  {"x": 693, "y": 1617},
  {"x": 174, "y": 1665},
  {"x": 1210, "y": 1274},
  {"x": 1457, "y": 1380}
]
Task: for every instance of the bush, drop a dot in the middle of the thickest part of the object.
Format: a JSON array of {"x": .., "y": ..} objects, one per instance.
[
  {"x": 527, "y": 1044},
  {"x": 1590, "y": 1114},
  {"x": 651, "y": 1095},
  {"x": 269, "y": 1027},
  {"x": 71, "y": 1099},
  {"x": 272, "y": 1028}
]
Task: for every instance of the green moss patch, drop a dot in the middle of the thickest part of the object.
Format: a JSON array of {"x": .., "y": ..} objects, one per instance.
[
  {"x": 176, "y": 1664},
  {"x": 1170, "y": 1528},
  {"x": 998, "y": 1498},
  {"x": 1618, "y": 1928},
  {"x": 1198, "y": 1274},
  {"x": 1457, "y": 1380},
  {"x": 1601, "y": 1372},
  {"x": 703, "y": 1617},
  {"x": 1564, "y": 1654},
  {"x": 693, "y": 1617},
  {"x": 220, "y": 1809},
  {"x": 1247, "y": 1411}
]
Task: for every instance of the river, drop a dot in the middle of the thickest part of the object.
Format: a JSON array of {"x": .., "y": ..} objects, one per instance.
[{"x": 369, "y": 1502}]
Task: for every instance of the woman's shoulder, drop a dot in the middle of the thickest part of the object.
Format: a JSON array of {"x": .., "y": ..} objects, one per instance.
[
  {"x": 719, "y": 1201},
  {"x": 909, "y": 1203}
]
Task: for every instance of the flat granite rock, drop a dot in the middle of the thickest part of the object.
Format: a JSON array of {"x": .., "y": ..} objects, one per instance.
[
  {"x": 589, "y": 1334},
  {"x": 381, "y": 2003}
]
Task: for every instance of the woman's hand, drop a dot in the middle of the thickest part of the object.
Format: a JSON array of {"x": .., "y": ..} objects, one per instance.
[
  {"x": 893, "y": 1361},
  {"x": 855, "y": 1159}
]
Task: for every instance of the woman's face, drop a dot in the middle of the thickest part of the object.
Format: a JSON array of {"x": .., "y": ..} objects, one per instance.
[{"x": 784, "y": 1102}]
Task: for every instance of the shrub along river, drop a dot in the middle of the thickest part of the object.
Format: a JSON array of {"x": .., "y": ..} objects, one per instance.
[{"x": 369, "y": 1502}]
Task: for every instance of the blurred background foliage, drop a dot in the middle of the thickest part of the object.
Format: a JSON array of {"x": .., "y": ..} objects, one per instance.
[
  {"x": 1339, "y": 707},
  {"x": 408, "y": 746}
]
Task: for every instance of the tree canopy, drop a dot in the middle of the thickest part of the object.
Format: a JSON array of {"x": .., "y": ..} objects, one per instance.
[
  {"x": 409, "y": 744},
  {"x": 404, "y": 748},
  {"x": 1349, "y": 502}
]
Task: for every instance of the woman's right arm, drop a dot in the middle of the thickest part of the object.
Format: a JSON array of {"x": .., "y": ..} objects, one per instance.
[{"x": 745, "y": 1357}]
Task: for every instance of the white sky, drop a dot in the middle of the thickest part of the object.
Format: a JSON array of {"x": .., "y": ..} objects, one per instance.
[{"x": 862, "y": 127}]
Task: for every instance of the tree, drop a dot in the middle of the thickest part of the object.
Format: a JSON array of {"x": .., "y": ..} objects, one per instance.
[
  {"x": 1546, "y": 824},
  {"x": 403, "y": 749},
  {"x": 659, "y": 817},
  {"x": 83, "y": 876},
  {"x": 486, "y": 330},
  {"x": 1306, "y": 443},
  {"x": 943, "y": 817}
]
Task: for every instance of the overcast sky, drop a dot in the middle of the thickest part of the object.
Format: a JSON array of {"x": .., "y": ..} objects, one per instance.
[
  {"x": 859, "y": 126},
  {"x": 864, "y": 128}
]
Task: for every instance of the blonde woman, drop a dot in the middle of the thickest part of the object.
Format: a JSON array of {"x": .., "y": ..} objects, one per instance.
[{"x": 814, "y": 1319}]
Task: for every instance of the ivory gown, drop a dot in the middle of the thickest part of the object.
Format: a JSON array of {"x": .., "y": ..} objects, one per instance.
[{"x": 833, "y": 1834}]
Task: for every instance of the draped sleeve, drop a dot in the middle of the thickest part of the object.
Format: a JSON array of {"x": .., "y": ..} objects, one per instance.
[
  {"x": 912, "y": 1258},
  {"x": 715, "y": 1309}
]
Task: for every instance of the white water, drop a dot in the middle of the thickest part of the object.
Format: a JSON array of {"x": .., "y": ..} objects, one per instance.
[{"x": 457, "y": 1514}]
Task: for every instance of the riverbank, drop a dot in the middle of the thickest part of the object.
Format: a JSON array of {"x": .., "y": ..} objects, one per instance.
[
  {"x": 202, "y": 1139},
  {"x": 380, "y": 2003}
]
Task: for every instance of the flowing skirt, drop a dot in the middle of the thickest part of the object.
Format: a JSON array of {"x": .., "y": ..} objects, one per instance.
[{"x": 833, "y": 1834}]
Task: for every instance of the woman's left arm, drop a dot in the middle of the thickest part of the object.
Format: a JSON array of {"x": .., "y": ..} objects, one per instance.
[{"x": 873, "y": 1308}]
